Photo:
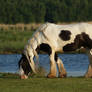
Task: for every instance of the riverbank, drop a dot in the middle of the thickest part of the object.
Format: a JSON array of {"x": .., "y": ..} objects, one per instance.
[{"x": 12, "y": 83}]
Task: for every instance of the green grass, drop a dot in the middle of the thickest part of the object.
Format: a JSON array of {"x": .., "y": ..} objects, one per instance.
[
  {"x": 12, "y": 83},
  {"x": 13, "y": 41}
]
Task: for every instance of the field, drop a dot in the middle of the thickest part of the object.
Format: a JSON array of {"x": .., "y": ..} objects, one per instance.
[
  {"x": 12, "y": 83},
  {"x": 14, "y": 37}
]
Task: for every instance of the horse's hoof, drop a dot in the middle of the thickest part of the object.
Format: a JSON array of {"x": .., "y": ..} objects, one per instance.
[
  {"x": 88, "y": 76},
  {"x": 62, "y": 75},
  {"x": 51, "y": 76},
  {"x": 89, "y": 72}
]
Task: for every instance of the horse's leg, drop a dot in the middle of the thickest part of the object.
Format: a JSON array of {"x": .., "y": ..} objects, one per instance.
[
  {"x": 53, "y": 69},
  {"x": 61, "y": 69},
  {"x": 89, "y": 71}
]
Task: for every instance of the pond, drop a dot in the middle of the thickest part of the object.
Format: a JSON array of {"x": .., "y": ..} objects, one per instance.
[{"x": 75, "y": 64}]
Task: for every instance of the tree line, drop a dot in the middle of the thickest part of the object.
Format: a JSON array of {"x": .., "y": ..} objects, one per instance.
[{"x": 39, "y": 11}]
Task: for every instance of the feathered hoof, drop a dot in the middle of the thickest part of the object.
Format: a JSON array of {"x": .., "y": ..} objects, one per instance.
[
  {"x": 88, "y": 75},
  {"x": 62, "y": 75},
  {"x": 51, "y": 76},
  {"x": 89, "y": 72}
]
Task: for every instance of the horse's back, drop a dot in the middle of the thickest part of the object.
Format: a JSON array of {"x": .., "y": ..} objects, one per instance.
[{"x": 60, "y": 35}]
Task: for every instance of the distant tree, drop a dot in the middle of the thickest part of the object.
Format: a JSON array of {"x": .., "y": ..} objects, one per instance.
[
  {"x": 52, "y": 13},
  {"x": 29, "y": 11},
  {"x": 38, "y": 11},
  {"x": 89, "y": 10},
  {"x": 3, "y": 17},
  {"x": 63, "y": 11},
  {"x": 84, "y": 10}
]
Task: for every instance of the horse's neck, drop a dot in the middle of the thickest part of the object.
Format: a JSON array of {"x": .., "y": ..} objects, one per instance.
[{"x": 33, "y": 43}]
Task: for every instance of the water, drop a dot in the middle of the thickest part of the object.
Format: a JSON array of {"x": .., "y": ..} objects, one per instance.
[{"x": 75, "y": 64}]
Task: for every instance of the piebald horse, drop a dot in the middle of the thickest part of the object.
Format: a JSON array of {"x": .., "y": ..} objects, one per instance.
[{"x": 53, "y": 39}]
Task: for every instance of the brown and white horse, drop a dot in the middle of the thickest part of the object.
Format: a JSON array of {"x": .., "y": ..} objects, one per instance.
[{"x": 53, "y": 39}]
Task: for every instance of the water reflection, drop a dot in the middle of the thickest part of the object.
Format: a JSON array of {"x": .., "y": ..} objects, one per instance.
[{"x": 75, "y": 64}]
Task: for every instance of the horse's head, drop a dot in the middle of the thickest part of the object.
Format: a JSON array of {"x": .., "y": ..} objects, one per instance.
[{"x": 26, "y": 65}]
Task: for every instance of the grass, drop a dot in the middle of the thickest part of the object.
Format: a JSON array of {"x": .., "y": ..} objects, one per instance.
[
  {"x": 13, "y": 38},
  {"x": 12, "y": 83},
  {"x": 13, "y": 41}
]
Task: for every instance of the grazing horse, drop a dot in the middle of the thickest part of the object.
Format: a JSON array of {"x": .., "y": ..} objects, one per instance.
[{"x": 53, "y": 39}]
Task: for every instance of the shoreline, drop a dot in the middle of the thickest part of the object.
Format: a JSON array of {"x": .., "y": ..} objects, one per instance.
[{"x": 81, "y": 51}]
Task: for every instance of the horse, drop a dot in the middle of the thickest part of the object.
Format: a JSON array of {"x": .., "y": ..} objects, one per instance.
[{"x": 53, "y": 39}]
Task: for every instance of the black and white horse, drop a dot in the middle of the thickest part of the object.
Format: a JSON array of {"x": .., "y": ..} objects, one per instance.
[{"x": 53, "y": 39}]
